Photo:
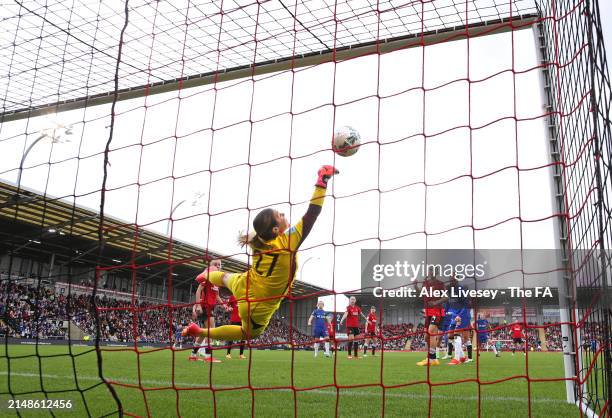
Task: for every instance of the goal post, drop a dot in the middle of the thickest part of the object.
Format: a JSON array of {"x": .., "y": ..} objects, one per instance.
[{"x": 584, "y": 238}]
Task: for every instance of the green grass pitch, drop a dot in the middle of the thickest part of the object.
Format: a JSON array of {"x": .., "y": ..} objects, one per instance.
[{"x": 53, "y": 369}]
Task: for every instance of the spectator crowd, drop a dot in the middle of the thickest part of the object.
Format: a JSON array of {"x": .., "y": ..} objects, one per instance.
[{"x": 28, "y": 311}]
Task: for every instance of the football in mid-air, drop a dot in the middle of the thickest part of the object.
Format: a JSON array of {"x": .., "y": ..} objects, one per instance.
[{"x": 346, "y": 141}]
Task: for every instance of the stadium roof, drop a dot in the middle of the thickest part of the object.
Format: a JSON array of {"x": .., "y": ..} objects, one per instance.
[
  {"x": 33, "y": 224},
  {"x": 67, "y": 56}
]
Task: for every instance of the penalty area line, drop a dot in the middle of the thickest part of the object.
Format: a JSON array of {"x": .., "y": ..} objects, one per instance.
[{"x": 328, "y": 392}]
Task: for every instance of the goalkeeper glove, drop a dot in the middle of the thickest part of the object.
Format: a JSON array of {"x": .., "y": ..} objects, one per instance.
[{"x": 325, "y": 173}]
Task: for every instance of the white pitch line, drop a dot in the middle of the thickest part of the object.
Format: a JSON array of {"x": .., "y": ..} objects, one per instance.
[{"x": 329, "y": 392}]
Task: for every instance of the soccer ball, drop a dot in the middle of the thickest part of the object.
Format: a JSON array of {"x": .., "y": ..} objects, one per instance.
[{"x": 346, "y": 141}]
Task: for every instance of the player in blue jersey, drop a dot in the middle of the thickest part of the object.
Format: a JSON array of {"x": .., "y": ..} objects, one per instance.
[
  {"x": 482, "y": 327},
  {"x": 178, "y": 337},
  {"x": 318, "y": 320},
  {"x": 459, "y": 320}
]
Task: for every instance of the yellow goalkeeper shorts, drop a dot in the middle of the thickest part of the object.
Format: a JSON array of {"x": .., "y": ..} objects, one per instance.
[{"x": 254, "y": 315}]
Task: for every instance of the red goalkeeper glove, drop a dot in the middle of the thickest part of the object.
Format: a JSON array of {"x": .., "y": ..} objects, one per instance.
[{"x": 325, "y": 173}]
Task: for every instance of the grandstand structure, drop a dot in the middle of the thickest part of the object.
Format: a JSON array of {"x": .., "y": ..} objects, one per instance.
[
  {"x": 101, "y": 64},
  {"x": 48, "y": 240}
]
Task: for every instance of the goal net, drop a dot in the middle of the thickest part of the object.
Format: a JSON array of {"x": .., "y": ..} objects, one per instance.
[{"x": 139, "y": 138}]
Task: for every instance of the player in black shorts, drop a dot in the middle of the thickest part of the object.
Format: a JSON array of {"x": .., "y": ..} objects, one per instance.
[{"x": 352, "y": 316}]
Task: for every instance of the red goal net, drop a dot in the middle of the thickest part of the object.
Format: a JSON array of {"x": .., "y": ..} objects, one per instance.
[{"x": 138, "y": 139}]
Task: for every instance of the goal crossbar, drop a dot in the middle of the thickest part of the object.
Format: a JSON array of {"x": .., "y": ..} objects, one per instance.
[{"x": 382, "y": 46}]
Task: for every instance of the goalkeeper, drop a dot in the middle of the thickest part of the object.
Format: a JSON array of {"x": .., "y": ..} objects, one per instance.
[{"x": 261, "y": 289}]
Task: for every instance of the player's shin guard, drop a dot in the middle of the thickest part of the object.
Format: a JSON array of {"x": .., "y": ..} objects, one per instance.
[{"x": 468, "y": 345}]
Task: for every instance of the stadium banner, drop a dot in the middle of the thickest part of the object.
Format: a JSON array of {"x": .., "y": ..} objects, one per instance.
[
  {"x": 82, "y": 343},
  {"x": 118, "y": 344},
  {"x": 530, "y": 311},
  {"x": 551, "y": 312},
  {"x": 488, "y": 313},
  {"x": 510, "y": 277}
]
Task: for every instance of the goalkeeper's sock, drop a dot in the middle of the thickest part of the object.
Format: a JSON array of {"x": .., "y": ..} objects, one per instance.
[
  {"x": 468, "y": 345},
  {"x": 224, "y": 333}
]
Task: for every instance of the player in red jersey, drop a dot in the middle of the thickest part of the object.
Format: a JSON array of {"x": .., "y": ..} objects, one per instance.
[
  {"x": 517, "y": 338},
  {"x": 352, "y": 325},
  {"x": 371, "y": 331},
  {"x": 331, "y": 327},
  {"x": 431, "y": 292},
  {"x": 208, "y": 295},
  {"x": 235, "y": 319}
]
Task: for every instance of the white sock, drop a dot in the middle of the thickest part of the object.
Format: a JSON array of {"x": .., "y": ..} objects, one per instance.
[
  {"x": 316, "y": 348},
  {"x": 204, "y": 345},
  {"x": 458, "y": 348},
  {"x": 494, "y": 348},
  {"x": 327, "y": 347},
  {"x": 195, "y": 345}
]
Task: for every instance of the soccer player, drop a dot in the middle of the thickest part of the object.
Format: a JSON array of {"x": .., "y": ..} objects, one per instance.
[
  {"x": 498, "y": 346},
  {"x": 460, "y": 317},
  {"x": 456, "y": 341},
  {"x": 434, "y": 312},
  {"x": 331, "y": 327},
  {"x": 178, "y": 337},
  {"x": 203, "y": 312},
  {"x": 319, "y": 329},
  {"x": 482, "y": 326},
  {"x": 517, "y": 338},
  {"x": 234, "y": 320},
  {"x": 261, "y": 289},
  {"x": 352, "y": 325},
  {"x": 371, "y": 331}
]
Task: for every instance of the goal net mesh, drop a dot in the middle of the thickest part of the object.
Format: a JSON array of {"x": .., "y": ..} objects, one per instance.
[{"x": 138, "y": 138}]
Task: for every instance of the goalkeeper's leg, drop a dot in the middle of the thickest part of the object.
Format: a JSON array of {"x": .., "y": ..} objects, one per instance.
[
  {"x": 219, "y": 278},
  {"x": 248, "y": 330},
  {"x": 225, "y": 332}
]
